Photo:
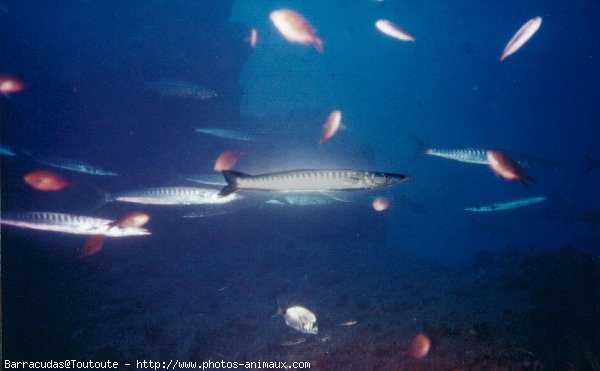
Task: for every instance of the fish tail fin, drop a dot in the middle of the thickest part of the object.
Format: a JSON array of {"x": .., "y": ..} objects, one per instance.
[
  {"x": 318, "y": 44},
  {"x": 279, "y": 310},
  {"x": 422, "y": 147},
  {"x": 232, "y": 181}
]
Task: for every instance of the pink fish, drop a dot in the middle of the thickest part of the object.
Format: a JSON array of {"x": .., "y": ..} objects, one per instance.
[
  {"x": 521, "y": 37},
  {"x": 253, "y": 38},
  {"x": 505, "y": 167},
  {"x": 393, "y": 30},
  {"x": 331, "y": 126},
  {"x": 381, "y": 204},
  {"x": 227, "y": 160},
  {"x": 10, "y": 84},
  {"x": 295, "y": 28}
]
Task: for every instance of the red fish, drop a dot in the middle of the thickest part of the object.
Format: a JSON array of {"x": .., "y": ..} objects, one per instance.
[
  {"x": 505, "y": 167},
  {"x": 295, "y": 28},
  {"x": 92, "y": 246},
  {"x": 419, "y": 346},
  {"x": 226, "y": 160},
  {"x": 331, "y": 126},
  {"x": 45, "y": 180},
  {"x": 133, "y": 219},
  {"x": 10, "y": 84}
]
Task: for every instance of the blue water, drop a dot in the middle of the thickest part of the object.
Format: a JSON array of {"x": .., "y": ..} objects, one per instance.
[{"x": 515, "y": 289}]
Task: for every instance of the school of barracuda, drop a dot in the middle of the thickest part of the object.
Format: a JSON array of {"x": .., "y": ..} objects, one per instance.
[{"x": 291, "y": 188}]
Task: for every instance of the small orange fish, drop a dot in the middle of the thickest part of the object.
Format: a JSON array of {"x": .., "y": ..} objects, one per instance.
[
  {"x": 505, "y": 167},
  {"x": 331, "y": 126},
  {"x": 133, "y": 219},
  {"x": 227, "y": 160},
  {"x": 92, "y": 246},
  {"x": 10, "y": 84},
  {"x": 45, "y": 180},
  {"x": 381, "y": 204},
  {"x": 295, "y": 28},
  {"x": 419, "y": 346},
  {"x": 253, "y": 38}
]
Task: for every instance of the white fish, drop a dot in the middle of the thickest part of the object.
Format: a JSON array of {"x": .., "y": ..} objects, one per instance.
[
  {"x": 506, "y": 205},
  {"x": 318, "y": 180},
  {"x": 67, "y": 223},
  {"x": 521, "y": 37},
  {"x": 299, "y": 318},
  {"x": 393, "y": 30},
  {"x": 72, "y": 165},
  {"x": 172, "y": 196}
]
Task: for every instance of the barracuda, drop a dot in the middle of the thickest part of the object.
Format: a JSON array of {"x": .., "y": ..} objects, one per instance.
[
  {"x": 309, "y": 181},
  {"x": 172, "y": 196},
  {"x": 67, "y": 223},
  {"x": 506, "y": 205}
]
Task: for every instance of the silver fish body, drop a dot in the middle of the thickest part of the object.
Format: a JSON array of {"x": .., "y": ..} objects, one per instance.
[
  {"x": 299, "y": 318},
  {"x": 469, "y": 155},
  {"x": 224, "y": 133},
  {"x": 181, "y": 88},
  {"x": 172, "y": 196},
  {"x": 209, "y": 179},
  {"x": 68, "y": 223},
  {"x": 309, "y": 181},
  {"x": 506, "y": 205},
  {"x": 303, "y": 200},
  {"x": 72, "y": 165}
]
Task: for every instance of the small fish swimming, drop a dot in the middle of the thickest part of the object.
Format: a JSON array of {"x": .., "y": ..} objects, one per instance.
[
  {"x": 293, "y": 342},
  {"x": 7, "y": 151},
  {"x": 505, "y": 167},
  {"x": 10, "y": 84},
  {"x": 331, "y": 126},
  {"x": 304, "y": 200},
  {"x": 72, "y": 165},
  {"x": 68, "y": 223},
  {"x": 227, "y": 160},
  {"x": 45, "y": 180},
  {"x": 181, "y": 89},
  {"x": 507, "y": 205},
  {"x": 172, "y": 196},
  {"x": 317, "y": 180},
  {"x": 393, "y": 30},
  {"x": 224, "y": 133},
  {"x": 295, "y": 28},
  {"x": 208, "y": 179},
  {"x": 253, "y": 38},
  {"x": 299, "y": 318},
  {"x": 521, "y": 37}
]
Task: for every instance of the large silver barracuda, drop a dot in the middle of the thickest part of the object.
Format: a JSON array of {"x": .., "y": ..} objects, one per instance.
[
  {"x": 68, "y": 223},
  {"x": 309, "y": 181},
  {"x": 172, "y": 196}
]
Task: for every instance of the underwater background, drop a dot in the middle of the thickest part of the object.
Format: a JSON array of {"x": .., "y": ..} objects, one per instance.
[{"x": 511, "y": 289}]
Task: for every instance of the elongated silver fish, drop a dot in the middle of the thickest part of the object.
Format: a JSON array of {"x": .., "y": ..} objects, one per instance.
[
  {"x": 506, "y": 205},
  {"x": 6, "y": 151},
  {"x": 521, "y": 37},
  {"x": 209, "y": 179},
  {"x": 180, "y": 88},
  {"x": 172, "y": 196},
  {"x": 224, "y": 133},
  {"x": 479, "y": 156},
  {"x": 72, "y": 165},
  {"x": 309, "y": 181},
  {"x": 304, "y": 200},
  {"x": 67, "y": 223}
]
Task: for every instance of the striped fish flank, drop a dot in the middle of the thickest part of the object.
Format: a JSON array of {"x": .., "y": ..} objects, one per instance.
[
  {"x": 309, "y": 181},
  {"x": 172, "y": 196},
  {"x": 68, "y": 223}
]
